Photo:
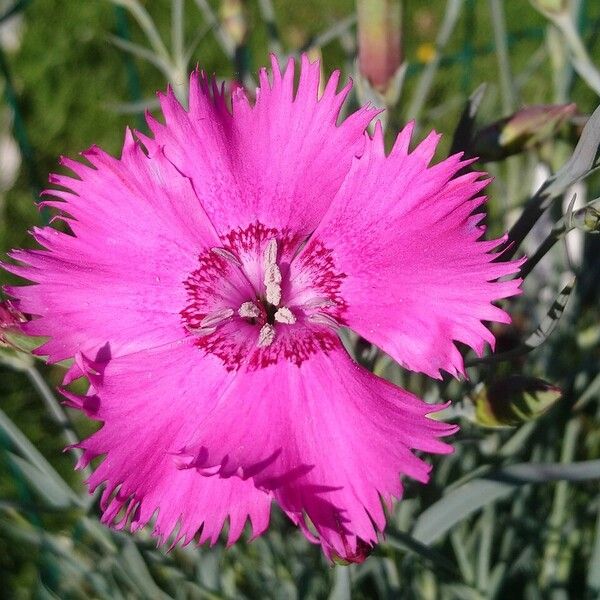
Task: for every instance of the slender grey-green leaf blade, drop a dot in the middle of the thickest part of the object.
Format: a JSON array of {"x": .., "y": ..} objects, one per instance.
[
  {"x": 31, "y": 454},
  {"x": 550, "y": 321},
  {"x": 461, "y": 502},
  {"x": 53, "y": 494}
]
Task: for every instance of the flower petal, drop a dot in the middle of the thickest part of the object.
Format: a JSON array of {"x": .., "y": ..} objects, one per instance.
[
  {"x": 328, "y": 438},
  {"x": 280, "y": 161},
  {"x": 416, "y": 275},
  {"x": 150, "y": 404},
  {"x": 138, "y": 229}
]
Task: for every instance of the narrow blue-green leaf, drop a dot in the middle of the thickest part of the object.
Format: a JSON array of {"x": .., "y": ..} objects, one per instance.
[
  {"x": 136, "y": 568},
  {"x": 52, "y": 494},
  {"x": 550, "y": 321},
  {"x": 30, "y": 452},
  {"x": 541, "y": 333},
  {"x": 593, "y": 578},
  {"x": 462, "y": 502},
  {"x": 463, "y": 134},
  {"x": 583, "y": 159},
  {"x": 404, "y": 541}
]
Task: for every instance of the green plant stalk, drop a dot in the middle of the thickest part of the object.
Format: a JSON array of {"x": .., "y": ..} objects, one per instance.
[
  {"x": 336, "y": 31},
  {"x": 593, "y": 577},
  {"x": 508, "y": 538},
  {"x": 464, "y": 564},
  {"x": 509, "y": 97},
  {"x": 581, "y": 163},
  {"x": 580, "y": 59},
  {"x": 177, "y": 30},
  {"x": 485, "y": 548},
  {"x": 453, "y": 10},
  {"x": 20, "y": 132},
  {"x": 225, "y": 41},
  {"x": 140, "y": 14},
  {"x": 267, "y": 12},
  {"x": 553, "y": 573},
  {"x": 56, "y": 411}
]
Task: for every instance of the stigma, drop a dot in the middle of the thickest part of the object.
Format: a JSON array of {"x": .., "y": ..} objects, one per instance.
[{"x": 256, "y": 298}]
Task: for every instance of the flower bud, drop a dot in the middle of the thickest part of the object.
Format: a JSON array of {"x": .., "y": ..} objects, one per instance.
[
  {"x": 379, "y": 41},
  {"x": 11, "y": 320},
  {"x": 513, "y": 400},
  {"x": 233, "y": 18},
  {"x": 362, "y": 552},
  {"x": 524, "y": 129},
  {"x": 587, "y": 218}
]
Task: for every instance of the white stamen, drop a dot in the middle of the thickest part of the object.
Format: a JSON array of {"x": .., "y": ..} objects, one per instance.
[
  {"x": 272, "y": 277},
  {"x": 249, "y": 310},
  {"x": 270, "y": 253},
  {"x": 318, "y": 303},
  {"x": 200, "y": 331},
  {"x": 266, "y": 335},
  {"x": 217, "y": 316},
  {"x": 273, "y": 293},
  {"x": 285, "y": 315},
  {"x": 324, "y": 319},
  {"x": 227, "y": 255},
  {"x": 273, "y": 284}
]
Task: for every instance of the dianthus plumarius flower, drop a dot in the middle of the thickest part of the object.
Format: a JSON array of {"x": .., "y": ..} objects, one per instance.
[{"x": 201, "y": 289}]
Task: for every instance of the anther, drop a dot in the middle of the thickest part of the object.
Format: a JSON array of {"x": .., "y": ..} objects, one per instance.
[
  {"x": 285, "y": 315},
  {"x": 324, "y": 319},
  {"x": 200, "y": 331},
  {"x": 216, "y": 317},
  {"x": 227, "y": 255},
  {"x": 266, "y": 335},
  {"x": 249, "y": 310},
  {"x": 270, "y": 252},
  {"x": 318, "y": 302},
  {"x": 272, "y": 276}
]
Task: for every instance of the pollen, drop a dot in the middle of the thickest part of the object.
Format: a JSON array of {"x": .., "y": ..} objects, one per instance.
[
  {"x": 285, "y": 315},
  {"x": 249, "y": 310},
  {"x": 266, "y": 335},
  {"x": 272, "y": 277}
]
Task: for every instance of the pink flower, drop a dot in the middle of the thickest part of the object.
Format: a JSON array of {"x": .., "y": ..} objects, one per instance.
[
  {"x": 11, "y": 322},
  {"x": 201, "y": 290}
]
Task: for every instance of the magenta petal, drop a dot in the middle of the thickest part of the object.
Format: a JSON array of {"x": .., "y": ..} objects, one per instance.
[
  {"x": 279, "y": 161},
  {"x": 201, "y": 289},
  {"x": 151, "y": 403},
  {"x": 416, "y": 274},
  {"x": 328, "y": 438},
  {"x": 138, "y": 229}
]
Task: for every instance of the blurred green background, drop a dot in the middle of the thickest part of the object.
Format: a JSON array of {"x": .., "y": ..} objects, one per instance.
[{"x": 67, "y": 85}]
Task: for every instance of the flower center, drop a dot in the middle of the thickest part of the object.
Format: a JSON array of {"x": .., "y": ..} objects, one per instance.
[{"x": 250, "y": 302}]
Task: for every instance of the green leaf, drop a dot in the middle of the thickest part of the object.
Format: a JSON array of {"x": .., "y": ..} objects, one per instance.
[
  {"x": 465, "y": 130},
  {"x": 462, "y": 502},
  {"x": 135, "y": 566},
  {"x": 593, "y": 578},
  {"x": 45, "y": 486},
  {"x": 582, "y": 162},
  {"x": 33, "y": 456},
  {"x": 404, "y": 541},
  {"x": 549, "y": 323}
]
